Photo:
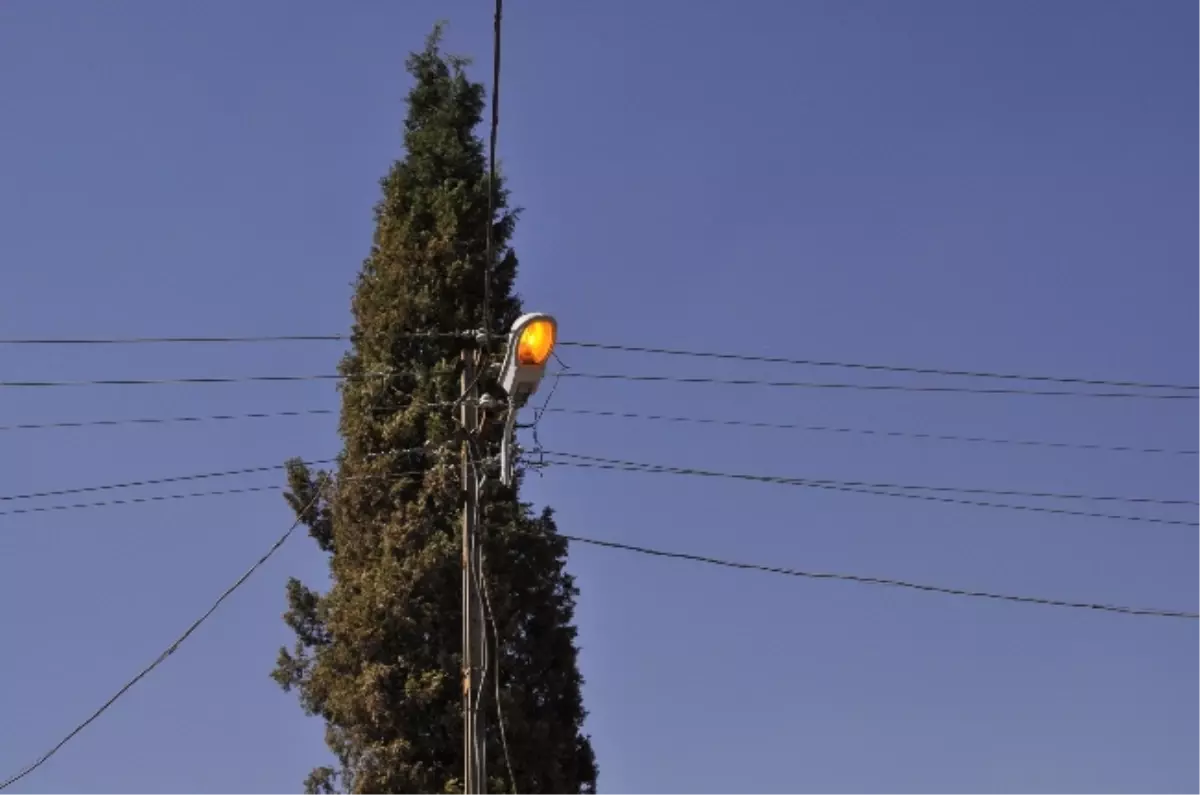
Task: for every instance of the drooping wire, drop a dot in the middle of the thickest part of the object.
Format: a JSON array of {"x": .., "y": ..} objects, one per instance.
[
  {"x": 883, "y": 581},
  {"x": 166, "y": 653},
  {"x": 195, "y": 624}
]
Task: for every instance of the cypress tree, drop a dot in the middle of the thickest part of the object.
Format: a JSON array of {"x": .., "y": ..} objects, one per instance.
[{"x": 379, "y": 655}]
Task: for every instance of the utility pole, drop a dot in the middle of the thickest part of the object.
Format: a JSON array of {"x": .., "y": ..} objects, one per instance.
[
  {"x": 530, "y": 343},
  {"x": 474, "y": 748}
]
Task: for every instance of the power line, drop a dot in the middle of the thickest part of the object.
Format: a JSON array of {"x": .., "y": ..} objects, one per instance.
[
  {"x": 855, "y": 578},
  {"x": 876, "y": 367},
  {"x": 195, "y": 380},
  {"x": 1059, "y": 495},
  {"x": 596, "y": 462},
  {"x": 271, "y": 338},
  {"x": 157, "y": 481},
  {"x": 632, "y": 416},
  {"x": 167, "y": 497},
  {"x": 171, "y": 650},
  {"x": 593, "y": 462},
  {"x": 493, "y": 132},
  {"x": 167, "y": 653},
  {"x": 140, "y": 500},
  {"x": 868, "y": 432},
  {"x": 35, "y": 426},
  {"x": 265, "y": 338},
  {"x": 874, "y": 387},
  {"x": 852, "y": 578}
]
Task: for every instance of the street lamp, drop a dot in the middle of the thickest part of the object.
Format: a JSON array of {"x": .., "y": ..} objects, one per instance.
[{"x": 530, "y": 344}]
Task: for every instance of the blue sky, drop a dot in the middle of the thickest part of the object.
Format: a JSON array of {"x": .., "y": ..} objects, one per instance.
[{"x": 1006, "y": 186}]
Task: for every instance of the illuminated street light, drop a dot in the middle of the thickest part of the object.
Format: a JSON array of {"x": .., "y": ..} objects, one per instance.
[{"x": 530, "y": 344}]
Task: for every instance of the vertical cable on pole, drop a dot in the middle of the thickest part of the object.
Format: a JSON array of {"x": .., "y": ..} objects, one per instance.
[{"x": 491, "y": 178}]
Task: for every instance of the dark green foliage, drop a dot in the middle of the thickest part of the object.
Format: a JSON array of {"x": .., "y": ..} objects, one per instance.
[{"x": 379, "y": 656}]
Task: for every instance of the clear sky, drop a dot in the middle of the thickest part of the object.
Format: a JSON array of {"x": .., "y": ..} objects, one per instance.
[{"x": 1005, "y": 185}]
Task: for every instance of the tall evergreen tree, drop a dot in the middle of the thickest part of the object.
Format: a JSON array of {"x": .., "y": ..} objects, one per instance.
[{"x": 379, "y": 656}]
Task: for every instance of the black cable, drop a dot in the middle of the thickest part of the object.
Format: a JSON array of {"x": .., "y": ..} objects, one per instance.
[
  {"x": 1133, "y": 611},
  {"x": 195, "y": 624},
  {"x": 875, "y": 387},
  {"x": 489, "y": 241},
  {"x": 157, "y": 481},
  {"x": 41, "y": 426},
  {"x": 36, "y": 426},
  {"x": 140, "y": 500},
  {"x": 630, "y": 466},
  {"x": 877, "y": 367},
  {"x": 869, "y": 432},
  {"x": 215, "y": 340},
  {"x": 167, "y": 653},
  {"x": 1058, "y": 495},
  {"x": 195, "y": 380}
]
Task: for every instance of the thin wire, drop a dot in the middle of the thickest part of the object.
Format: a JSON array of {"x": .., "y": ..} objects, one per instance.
[
  {"x": 538, "y": 412},
  {"x": 166, "y": 497},
  {"x": 923, "y": 487},
  {"x": 501, "y": 721},
  {"x": 855, "y": 578},
  {"x": 222, "y": 340},
  {"x": 200, "y": 380},
  {"x": 491, "y": 179},
  {"x": 877, "y": 367},
  {"x": 611, "y": 347},
  {"x": 167, "y": 653},
  {"x": 628, "y": 466},
  {"x": 164, "y": 420},
  {"x": 179, "y": 641},
  {"x": 481, "y": 583},
  {"x": 870, "y": 432},
  {"x": 140, "y": 500},
  {"x": 875, "y": 387},
  {"x": 156, "y": 481}
]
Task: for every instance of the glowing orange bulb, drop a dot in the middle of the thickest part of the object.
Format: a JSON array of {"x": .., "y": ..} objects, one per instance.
[{"x": 535, "y": 343}]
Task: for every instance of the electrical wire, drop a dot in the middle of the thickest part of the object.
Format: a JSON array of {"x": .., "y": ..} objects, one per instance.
[
  {"x": 546, "y": 409},
  {"x": 217, "y": 340},
  {"x": 157, "y": 481},
  {"x": 882, "y": 581},
  {"x": 476, "y": 463},
  {"x": 174, "y": 479},
  {"x": 167, "y": 653},
  {"x": 36, "y": 426},
  {"x": 875, "y": 387},
  {"x": 922, "y": 487},
  {"x": 195, "y": 380},
  {"x": 877, "y": 367},
  {"x": 593, "y": 462},
  {"x": 140, "y": 500},
  {"x": 493, "y": 132},
  {"x": 186, "y": 634},
  {"x": 941, "y": 437},
  {"x": 614, "y": 347}
]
